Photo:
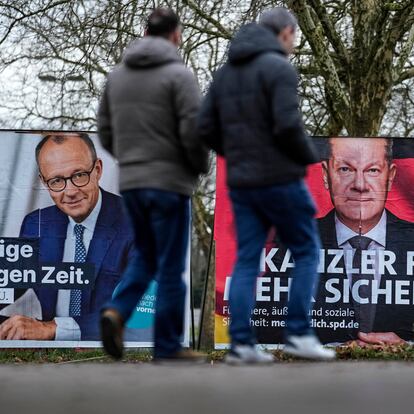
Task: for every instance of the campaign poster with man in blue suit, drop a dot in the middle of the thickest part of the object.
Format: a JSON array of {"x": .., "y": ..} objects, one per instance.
[{"x": 66, "y": 241}]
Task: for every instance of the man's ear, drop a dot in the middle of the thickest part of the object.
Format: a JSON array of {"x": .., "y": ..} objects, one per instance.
[
  {"x": 99, "y": 168},
  {"x": 325, "y": 174},
  {"x": 42, "y": 180},
  {"x": 391, "y": 176},
  {"x": 285, "y": 33},
  {"x": 175, "y": 37}
]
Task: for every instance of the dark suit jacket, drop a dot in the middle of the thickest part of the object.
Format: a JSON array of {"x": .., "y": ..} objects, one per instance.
[
  {"x": 110, "y": 249},
  {"x": 388, "y": 317}
]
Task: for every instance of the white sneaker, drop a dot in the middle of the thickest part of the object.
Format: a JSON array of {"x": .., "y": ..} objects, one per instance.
[
  {"x": 308, "y": 347},
  {"x": 247, "y": 354}
]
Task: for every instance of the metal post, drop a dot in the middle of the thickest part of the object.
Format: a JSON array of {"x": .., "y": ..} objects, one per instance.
[{"x": 203, "y": 306}]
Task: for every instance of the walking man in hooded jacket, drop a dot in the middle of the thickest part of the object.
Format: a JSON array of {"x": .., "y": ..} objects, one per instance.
[
  {"x": 147, "y": 120},
  {"x": 251, "y": 117}
]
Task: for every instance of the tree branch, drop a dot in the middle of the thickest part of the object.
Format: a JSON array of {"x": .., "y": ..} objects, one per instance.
[
  {"x": 193, "y": 5},
  {"x": 400, "y": 24},
  {"x": 27, "y": 15},
  {"x": 404, "y": 55},
  {"x": 316, "y": 38},
  {"x": 330, "y": 32},
  {"x": 408, "y": 74}
]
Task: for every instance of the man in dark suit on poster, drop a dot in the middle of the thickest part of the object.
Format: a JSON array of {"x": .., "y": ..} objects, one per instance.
[
  {"x": 85, "y": 224},
  {"x": 370, "y": 286}
]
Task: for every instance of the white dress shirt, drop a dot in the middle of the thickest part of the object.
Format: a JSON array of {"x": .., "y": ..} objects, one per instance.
[
  {"x": 377, "y": 234},
  {"x": 67, "y": 328}
]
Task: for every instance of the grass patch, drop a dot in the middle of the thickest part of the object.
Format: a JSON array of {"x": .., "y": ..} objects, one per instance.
[
  {"x": 377, "y": 352},
  {"x": 350, "y": 353},
  {"x": 42, "y": 356},
  {"x": 55, "y": 356}
]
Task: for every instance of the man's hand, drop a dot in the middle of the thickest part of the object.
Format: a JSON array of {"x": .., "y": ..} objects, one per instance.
[
  {"x": 20, "y": 327},
  {"x": 380, "y": 338}
]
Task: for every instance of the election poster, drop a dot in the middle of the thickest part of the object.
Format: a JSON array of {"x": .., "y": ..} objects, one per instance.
[
  {"x": 65, "y": 241},
  {"x": 364, "y": 195}
]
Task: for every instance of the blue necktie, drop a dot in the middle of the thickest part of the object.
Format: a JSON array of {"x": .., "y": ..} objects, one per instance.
[{"x": 80, "y": 257}]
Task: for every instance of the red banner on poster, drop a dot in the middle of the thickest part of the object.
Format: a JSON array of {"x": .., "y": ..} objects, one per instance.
[{"x": 381, "y": 172}]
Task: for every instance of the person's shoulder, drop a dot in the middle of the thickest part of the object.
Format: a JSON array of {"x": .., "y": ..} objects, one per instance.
[
  {"x": 276, "y": 66},
  {"x": 327, "y": 230},
  {"x": 220, "y": 74},
  {"x": 116, "y": 71},
  {"x": 113, "y": 208},
  {"x": 278, "y": 61},
  {"x": 108, "y": 197},
  {"x": 40, "y": 218},
  {"x": 399, "y": 233},
  {"x": 178, "y": 72},
  {"x": 328, "y": 219},
  {"x": 395, "y": 222},
  {"x": 111, "y": 203},
  {"x": 42, "y": 213}
]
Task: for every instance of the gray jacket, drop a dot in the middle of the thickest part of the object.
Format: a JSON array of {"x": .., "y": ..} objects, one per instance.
[{"x": 147, "y": 119}]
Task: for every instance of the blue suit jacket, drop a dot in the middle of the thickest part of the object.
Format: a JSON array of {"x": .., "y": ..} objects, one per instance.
[{"x": 110, "y": 249}]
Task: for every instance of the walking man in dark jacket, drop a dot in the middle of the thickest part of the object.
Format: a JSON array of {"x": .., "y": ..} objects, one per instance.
[
  {"x": 147, "y": 120},
  {"x": 251, "y": 117}
]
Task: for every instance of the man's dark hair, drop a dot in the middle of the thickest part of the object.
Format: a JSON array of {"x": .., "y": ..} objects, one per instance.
[
  {"x": 389, "y": 144},
  {"x": 60, "y": 138},
  {"x": 277, "y": 19},
  {"x": 162, "y": 22}
]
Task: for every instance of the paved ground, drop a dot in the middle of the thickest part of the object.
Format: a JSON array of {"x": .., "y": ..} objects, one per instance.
[{"x": 333, "y": 388}]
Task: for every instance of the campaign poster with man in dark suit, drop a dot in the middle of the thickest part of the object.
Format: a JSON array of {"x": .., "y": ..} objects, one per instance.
[
  {"x": 364, "y": 199},
  {"x": 372, "y": 282},
  {"x": 85, "y": 230}
]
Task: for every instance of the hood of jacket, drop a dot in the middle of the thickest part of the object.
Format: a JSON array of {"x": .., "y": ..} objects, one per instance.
[
  {"x": 150, "y": 51},
  {"x": 251, "y": 41}
]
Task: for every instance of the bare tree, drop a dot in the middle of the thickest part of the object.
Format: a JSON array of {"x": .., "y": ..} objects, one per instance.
[
  {"x": 353, "y": 55},
  {"x": 362, "y": 51}
]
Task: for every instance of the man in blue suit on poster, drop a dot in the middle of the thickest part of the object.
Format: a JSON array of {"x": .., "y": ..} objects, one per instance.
[{"x": 86, "y": 224}]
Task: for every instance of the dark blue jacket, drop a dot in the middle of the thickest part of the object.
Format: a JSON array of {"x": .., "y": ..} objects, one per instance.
[
  {"x": 251, "y": 113},
  {"x": 110, "y": 249}
]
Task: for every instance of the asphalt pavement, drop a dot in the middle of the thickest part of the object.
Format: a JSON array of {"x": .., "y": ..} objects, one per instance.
[{"x": 340, "y": 387}]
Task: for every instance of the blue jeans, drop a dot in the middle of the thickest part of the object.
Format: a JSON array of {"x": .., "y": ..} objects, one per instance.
[
  {"x": 160, "y": 221},
  {"x": 290, "y": 208}
]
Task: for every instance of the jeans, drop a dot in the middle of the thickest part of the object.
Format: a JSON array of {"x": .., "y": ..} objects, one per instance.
[
  {"x": 160, "y": 221},
  {"x": 290, "y": 208}
]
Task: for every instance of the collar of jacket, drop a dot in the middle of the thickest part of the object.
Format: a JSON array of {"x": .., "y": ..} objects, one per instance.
[
  {"x": 253, "y": 40},
  {"x": 150, "y": 51}
]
